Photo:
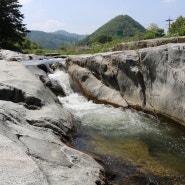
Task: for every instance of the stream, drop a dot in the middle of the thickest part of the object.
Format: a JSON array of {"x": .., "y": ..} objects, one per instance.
[{"x": 138, "y": 148}]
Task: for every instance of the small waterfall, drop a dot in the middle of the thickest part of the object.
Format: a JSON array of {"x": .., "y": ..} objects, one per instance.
[
  {"x": 63, "y": 78},
  {"x": 99, "y": 115},
  {"x": 153, "y": 146}
]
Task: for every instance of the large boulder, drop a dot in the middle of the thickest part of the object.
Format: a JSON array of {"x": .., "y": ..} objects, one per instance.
[
  {"x": 150, "y": 79},
  {"x": 94, "y": 89},
  {"x": 34, "y": 133},
  {"x": 17, "y": 56}
]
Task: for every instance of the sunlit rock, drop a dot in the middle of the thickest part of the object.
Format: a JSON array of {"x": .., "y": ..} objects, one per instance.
[
  {"x": 34, "y": 131},
  {"x": 150, "y": 79}
]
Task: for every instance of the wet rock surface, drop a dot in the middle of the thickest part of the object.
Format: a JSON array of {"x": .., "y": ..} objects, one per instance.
[{"x": 34, "y": 131}]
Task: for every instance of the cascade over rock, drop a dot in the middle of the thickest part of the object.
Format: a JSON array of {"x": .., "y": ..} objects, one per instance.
[{"x": 150, "y": 79}]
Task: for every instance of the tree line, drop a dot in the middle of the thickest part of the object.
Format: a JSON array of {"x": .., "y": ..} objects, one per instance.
[
  {"x": 177, "y": 28},
  {"x": 12, "y": 29},
  {"x": 13, "y": 32}
]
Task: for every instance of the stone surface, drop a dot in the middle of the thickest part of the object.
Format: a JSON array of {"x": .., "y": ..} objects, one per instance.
[
  {"x": 150, "y": 79},
  {"x": 148, "y": 43},
  {"x": 33, "y": 129},
  {"x": 16, "y": 167},
  {"x": 94, "y": 88},
  {"x": 17, "y": 56}
]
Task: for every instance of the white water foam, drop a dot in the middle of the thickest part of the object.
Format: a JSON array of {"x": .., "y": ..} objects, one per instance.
[
  {"x": 104, "y": 117},
  {"x": 164, "y": 142}
]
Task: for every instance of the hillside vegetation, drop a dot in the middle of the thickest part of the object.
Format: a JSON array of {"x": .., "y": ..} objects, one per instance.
[
  {"x": 120, "y": 29},
  {"x": 122, "y": 26},
  {"x": 55, "y": 39},
  {"x": 110, "y": 37}
]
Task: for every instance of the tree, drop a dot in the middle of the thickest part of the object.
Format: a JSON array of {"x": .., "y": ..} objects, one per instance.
[
  {"x": 154, "y": 31},
  {"x": 28, "y": 44},
  {"x": 12, "y": 30},
  {"x": 103, "y": 38},
  {"x": 178, "y": 27}
]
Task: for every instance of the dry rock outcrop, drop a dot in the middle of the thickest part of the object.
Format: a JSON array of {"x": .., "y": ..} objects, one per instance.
[
  {"x": 34, "y": 132},
  {"x": 150, "y": 79}
]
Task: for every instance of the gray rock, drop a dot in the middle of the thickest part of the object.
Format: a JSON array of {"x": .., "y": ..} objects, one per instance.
[
  {"x": 150, "y": 79},
  {"x": 95, "y": 89},
  {"x": 16, "y": 167},
  {"x": 31, "y": 134},
  {"x": 17, "y": 56},
  {"x": 148, "y": 43}
]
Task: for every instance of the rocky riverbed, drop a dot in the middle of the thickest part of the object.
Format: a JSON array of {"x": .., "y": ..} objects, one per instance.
[{"x": 35, "y": 131}]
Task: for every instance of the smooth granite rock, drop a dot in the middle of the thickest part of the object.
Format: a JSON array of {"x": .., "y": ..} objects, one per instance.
[
  {"x": 34, "y": 132},
  {"x": 94, "y": 88},
  {"x": 150, "y": 79}
]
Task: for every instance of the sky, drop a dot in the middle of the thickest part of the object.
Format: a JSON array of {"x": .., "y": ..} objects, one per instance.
[{"x": 86, "y": 16}]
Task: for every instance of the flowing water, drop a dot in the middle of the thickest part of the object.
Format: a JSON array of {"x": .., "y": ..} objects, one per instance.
[{"x": 139, "y": 148}]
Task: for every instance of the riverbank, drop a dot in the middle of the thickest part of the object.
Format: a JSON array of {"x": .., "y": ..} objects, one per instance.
[
  {"x": 139, "y": 148},
  {"x": 150, "y": 79},
  {"x": 36, "y": 129},
  {"x": 33, "y": 119}
]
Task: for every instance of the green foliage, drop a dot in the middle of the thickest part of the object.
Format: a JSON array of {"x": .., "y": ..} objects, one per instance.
[
  {"x": 54, "y": 40},
  {"x": 63, "y": 48},
  {"x": 103, "y": 38},
  {"x": 102, "y": 42},
  {"x": 123, "y": 24},
  {"x": 96, "y": 47},
  {"x": 12, "y": 30},
  {"x": 153, "y": 32},
  {"x": 178, "y": 27},
  {"x": 25, "y": 46},
  {"x": 28, "y": 44}
]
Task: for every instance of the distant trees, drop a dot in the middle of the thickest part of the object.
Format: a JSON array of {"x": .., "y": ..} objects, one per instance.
[
  {"x": 12, "y": 30},
  {"x": 177, "y": 28},
  {"x": 120, "y": 27},
  {"x": 27, "y": 44},
  {"x": 154, "y": 31},
  {"x": 103, "y": 38}
]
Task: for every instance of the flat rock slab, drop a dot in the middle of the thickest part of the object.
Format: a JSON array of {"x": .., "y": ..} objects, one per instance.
[{"x": 16, "y": 167}]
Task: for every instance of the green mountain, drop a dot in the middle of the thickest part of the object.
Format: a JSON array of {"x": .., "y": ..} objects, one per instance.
[
  {"x": 119, "y": 27},
  {"x": 55, "y": 39}
]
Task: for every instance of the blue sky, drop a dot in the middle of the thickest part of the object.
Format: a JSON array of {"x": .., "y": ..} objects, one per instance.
[{"x": 86, "y": 16}]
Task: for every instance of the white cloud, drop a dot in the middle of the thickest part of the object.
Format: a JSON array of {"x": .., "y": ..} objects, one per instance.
[
  {"x": 25, "y": 1},
  {"x": 168, "y": 1},
  {"x": 48, "y": 26}
]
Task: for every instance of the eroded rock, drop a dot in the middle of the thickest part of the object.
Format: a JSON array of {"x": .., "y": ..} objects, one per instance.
[
  {"x": 150, "y": 79},
  {"x": 32, "y": 140},
  {"x": 95, "y": 89}
]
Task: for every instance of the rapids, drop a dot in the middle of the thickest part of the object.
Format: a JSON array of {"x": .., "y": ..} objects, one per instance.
[{"x": 139, "y": 148}]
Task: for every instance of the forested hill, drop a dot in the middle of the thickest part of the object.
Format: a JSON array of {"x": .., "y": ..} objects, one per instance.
[
  {"x": 55, "y": 39},
  {"x": 120, "y": 26}
]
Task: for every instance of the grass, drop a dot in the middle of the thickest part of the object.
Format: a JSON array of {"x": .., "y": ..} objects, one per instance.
[{"x": 95, "y": 47}]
